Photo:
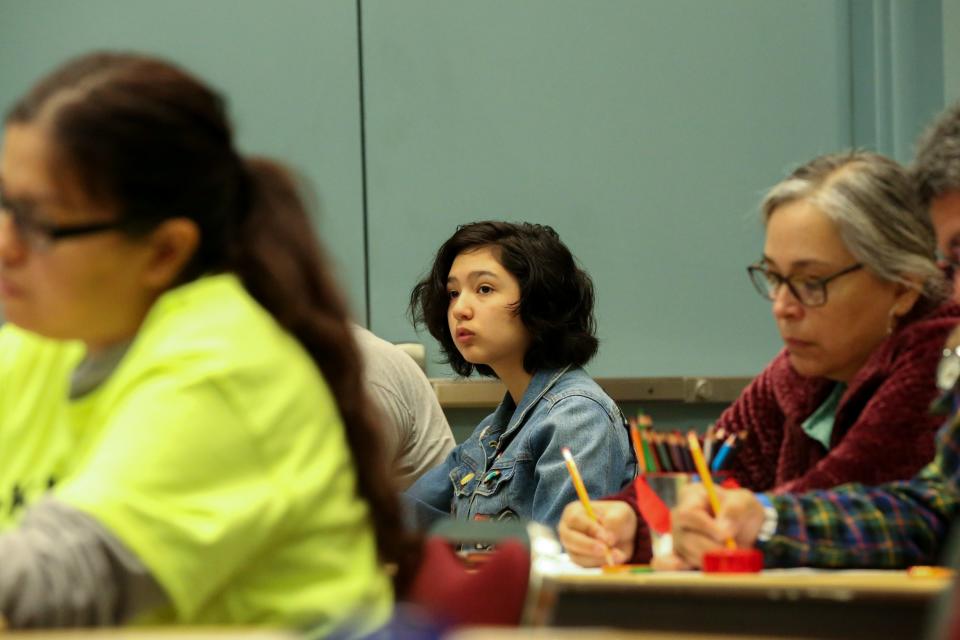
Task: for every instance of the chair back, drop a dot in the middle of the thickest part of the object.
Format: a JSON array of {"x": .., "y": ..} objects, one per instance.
[{"x": 456, "y": 593}]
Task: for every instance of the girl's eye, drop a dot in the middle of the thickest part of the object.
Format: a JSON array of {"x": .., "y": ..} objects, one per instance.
[
  {"x": 453, "y": 294},
  {"x": 484, "y": 288}
]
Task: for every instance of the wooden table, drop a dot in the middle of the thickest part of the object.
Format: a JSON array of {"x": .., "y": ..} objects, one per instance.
[
  {"x": 836, "y": 604},
  {"x": 167, "y": 633},
  {"x": 512, "y": 633}
]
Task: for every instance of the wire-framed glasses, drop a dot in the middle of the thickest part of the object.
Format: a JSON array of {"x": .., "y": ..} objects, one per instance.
[{"x": 949, "y": 263}]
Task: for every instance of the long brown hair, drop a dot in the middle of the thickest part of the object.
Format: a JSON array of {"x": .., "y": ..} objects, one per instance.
[{"x": 153, "y": 142}]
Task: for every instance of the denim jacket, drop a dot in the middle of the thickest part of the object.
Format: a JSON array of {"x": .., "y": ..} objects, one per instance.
[{"x": 511, "y": 466}]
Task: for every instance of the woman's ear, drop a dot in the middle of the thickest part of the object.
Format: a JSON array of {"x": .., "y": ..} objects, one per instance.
[
  {"x": 906, "y": 296},
  {"x": 172, "y": 245}
]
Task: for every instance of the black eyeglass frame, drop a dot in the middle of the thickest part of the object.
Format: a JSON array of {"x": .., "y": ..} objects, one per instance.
[
  {"x": 26, "y": 227},
  {"x": 769, "y": 293},
  {"x": 59, "y": 233},
  {"x": 948, "y": 265}
]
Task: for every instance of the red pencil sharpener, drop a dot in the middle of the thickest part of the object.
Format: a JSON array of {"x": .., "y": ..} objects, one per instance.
[{"x": 733, "y": 561}]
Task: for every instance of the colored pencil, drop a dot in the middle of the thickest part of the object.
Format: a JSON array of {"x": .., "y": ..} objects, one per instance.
[
  {"x": 724, "y": 452},
  {"x": 643, "y": 426},
  {"x": 666, "y": 464},
  {"x": 707, "y": 480},
  {"x": 637, "y": 446},
  {"x": 676, "y": 455},
  {"x": 708, "y": 442},
  {"x": 685, "y": 452}
]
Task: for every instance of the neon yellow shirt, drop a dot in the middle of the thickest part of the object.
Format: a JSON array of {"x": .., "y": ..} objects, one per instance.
[
  {"x": 35, "y": 442},
  {"x": 215, "y": 452}
]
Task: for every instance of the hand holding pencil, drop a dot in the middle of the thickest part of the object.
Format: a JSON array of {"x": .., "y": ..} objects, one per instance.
[
  {"x": 588, "y": 541},
  {"x": 707, "y": 481},
  {"x": 696, "y": 531},
  {"x": 584, "y": 498}
]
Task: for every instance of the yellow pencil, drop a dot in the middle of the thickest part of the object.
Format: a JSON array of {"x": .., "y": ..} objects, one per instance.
[
  {"x": 582, "y": 494},
  {"x": 704, "y": 472}
]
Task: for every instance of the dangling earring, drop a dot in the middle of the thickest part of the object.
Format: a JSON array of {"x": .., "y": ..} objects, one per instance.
[{"x": 892, "y": 319}]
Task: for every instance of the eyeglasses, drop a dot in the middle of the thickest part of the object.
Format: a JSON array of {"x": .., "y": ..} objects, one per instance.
[
  {"x": 39, "y": 235},
  {"x": 949, "y": 263},
  {"x": 810, "y": 292}
]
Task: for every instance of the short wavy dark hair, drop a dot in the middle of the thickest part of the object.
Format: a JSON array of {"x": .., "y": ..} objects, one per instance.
[{"x": 556, "y": 295}]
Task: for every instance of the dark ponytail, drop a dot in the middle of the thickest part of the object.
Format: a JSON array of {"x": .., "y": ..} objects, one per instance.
[
  {"x": 283, "y": 267},
  {"x": 153, "y": 142}
]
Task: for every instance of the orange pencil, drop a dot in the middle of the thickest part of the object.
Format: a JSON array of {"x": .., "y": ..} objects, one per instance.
[
  {"x": 582, "y": 493},
  {"x": 704, "y": 472},
  {"x": 637, "y": 445},
  {"x": 644, "y": 423}
]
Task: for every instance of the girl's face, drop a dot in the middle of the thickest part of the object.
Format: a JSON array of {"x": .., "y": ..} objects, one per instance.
[
  {"x": 482, "y": 315},
  {"x": 88, "y": 287},
  {"x": 833, "y": 340}
]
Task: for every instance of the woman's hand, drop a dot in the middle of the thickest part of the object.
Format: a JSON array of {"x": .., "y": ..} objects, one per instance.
[
  {"x": 587, "y": 541},
  {"x": 695, "y": 531}
]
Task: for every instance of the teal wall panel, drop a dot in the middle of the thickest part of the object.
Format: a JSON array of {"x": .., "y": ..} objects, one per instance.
[
  {"x": 289, "y": 69},
  {"x": 897, "y": 50},
  {"x": 644, "y": 132},
  {"x": 951, "y": 50}
]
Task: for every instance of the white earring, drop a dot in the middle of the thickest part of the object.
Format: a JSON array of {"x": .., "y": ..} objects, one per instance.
[{"x": 892, "y": 320}]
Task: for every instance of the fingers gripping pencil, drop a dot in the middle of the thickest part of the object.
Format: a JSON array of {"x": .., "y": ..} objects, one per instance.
[{"x": 582, "y": 493}]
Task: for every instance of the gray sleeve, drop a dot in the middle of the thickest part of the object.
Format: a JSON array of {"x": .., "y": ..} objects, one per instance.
[
  {"x": 426, "y": 436},
  {"x": 62, "y": 568},
  {"x": 414, "y": 428},
  {"x": 396, "y": 421}
]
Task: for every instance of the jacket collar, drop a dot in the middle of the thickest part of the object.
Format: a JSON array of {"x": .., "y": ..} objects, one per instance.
[{"x": 513, "y": 415}]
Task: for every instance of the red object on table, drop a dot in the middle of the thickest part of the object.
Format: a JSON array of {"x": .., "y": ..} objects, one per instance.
[{"x": 733, "y": 561}]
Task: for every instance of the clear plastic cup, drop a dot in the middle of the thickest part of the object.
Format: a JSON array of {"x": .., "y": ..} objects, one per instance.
[{"x": 668, "y": 487}]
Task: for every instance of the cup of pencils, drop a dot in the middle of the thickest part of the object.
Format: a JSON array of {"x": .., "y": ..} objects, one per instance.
[
  {"x": 667, "y": 487},
  {"x": 666, "y": 465},
  {"x": 669, "y": 451}
]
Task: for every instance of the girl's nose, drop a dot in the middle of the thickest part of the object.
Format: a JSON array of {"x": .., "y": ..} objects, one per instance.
[{"x": 461, "y": 307}]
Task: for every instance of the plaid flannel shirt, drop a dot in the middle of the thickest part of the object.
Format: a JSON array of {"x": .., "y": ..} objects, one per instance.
[{"x": 888, "y": 526}]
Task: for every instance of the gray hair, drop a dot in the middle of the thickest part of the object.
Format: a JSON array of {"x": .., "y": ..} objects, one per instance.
[
  {"x": 936, "y": 169},
  {"x": 873, "y": 202}
]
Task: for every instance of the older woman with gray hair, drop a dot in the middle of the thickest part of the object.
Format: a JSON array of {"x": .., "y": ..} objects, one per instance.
[{"x": 849, "y": 266}]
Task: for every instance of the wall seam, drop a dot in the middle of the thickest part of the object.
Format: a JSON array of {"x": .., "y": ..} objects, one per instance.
[
  {"x": 852, "y": 81},
  {"x": 363, "y": 169}
]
